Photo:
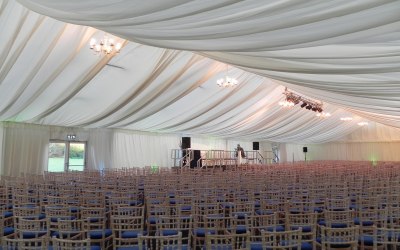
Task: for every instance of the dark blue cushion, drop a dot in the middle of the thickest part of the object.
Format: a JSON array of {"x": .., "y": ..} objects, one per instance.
[
  {"x": 7, "y": 214},
  {"x": 135, "y": 203},
  {"x": 201, "y": 232},
  {"x": 256, "y": 246},
  {"x": 74, "y": 209},
  {"x": 94, "y": 220},
  {"x": 153, "y": 220},
  {"x": 241, "y": 229},
  {"x": 95, "y": 248},
  {"x": 304, "y": 229},
  {"x": 333, "y": 225},
  {"x": 186, "y": 208},
  {"x": 278, "y": 228},
  {"x": 130, "y": 234},
  {"x": 98, "y": 234},
  {"x": 169, "y": 232},
  {"x": 64, "y": 234},
  {"x": 128, "y": 248},
  {"x": 183, "y": 247},
  {"x": 8, "y": 230},
  {"x": 31, "y": 235},
  {"x": 228, "y": 205},
  {"x": 367, "y": 239},
  {"x": 318, "y": 209},
  {"x": 221, "y": 247},
  {"x": 264, "y": 212},
  {"x": 364, "y": 223},
  {"x": 240, "y": 215},
  {"x": 306, "y": 246},
  {"x": 55, "y": 219}
]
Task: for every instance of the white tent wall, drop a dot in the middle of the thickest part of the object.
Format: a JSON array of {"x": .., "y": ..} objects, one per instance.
[
  {"x": 351, "y": 151},
  {"x": 208, "y": 143},
  {"x": 100, "y": 148},
  {"x": 1, "y": 148},
  {"x": 139, "y": 149},
  {"x": 25, "y": 148},
  {"x": 374, "y": 142}
]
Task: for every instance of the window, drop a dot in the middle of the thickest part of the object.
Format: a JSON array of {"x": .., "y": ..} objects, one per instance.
[{"x": 66, "y": 156}]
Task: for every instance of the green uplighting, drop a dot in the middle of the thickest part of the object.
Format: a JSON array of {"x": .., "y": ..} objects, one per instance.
[
  {"x": 374, "y": 160},
  {"x": 154, "y": 169}
]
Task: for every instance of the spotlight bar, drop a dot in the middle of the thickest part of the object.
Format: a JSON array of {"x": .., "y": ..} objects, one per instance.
[{"x": 293, "y": 99}]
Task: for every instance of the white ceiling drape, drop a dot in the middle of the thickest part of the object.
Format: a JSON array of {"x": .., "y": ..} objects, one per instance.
[{"x": 49, "y": 76}]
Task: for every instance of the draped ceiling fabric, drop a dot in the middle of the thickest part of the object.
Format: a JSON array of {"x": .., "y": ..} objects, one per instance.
[{"x": 345, "y": 53}]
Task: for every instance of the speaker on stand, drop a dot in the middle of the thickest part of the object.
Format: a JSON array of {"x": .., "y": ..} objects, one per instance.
[
  {"x": 186, "y": 142},
  {"x": 256, "y": 145},
  {"x": 305, "y": 153}
]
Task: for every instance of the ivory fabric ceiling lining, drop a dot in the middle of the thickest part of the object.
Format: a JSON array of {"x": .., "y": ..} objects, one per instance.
[{"x": 345, "y": 53}]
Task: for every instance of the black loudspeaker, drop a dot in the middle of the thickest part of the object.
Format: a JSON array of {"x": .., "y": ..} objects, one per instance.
[
  {"x": 256, "y": 145},
  {"x": 304, "y": 149},
  {"x": 186, "y": 142},
  {"x": 196, "y": 157}
]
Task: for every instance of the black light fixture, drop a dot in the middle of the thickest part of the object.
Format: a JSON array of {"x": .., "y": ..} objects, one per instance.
[{"x": 292, "y": 99}]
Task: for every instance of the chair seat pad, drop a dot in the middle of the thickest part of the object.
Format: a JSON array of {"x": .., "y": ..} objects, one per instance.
[
  {"x": 201, "y": 232},
  {"x": 333, "y": 225},
  {"x": 74, "y": 209},
  {"x": 131, "y": 234},
  {"x": 241, "y": 229},
  {"x": 183, "y": 247},
  {"x": 7, "y": 214},
  {"x": 98, "y": 234},
  {"x": 278, "y": 228},
  {"x": 368, "y": 240},
  {"x": 256, "y": 246},
  {"x": 186, "y": 208},
  {"x": 8, "y": 230},
  {"x": 31, "y": 235},
  {"x": 128, "y": 248},
  {"x": 304, "y": 229},
  {"x": 306, "y": 246},
  {"x": 169, "y": 232},
  {"x": 357, "y": 221},
  {"x": 55, "y": 219}
]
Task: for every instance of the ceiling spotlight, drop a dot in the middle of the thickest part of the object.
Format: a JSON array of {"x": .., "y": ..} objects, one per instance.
[
  {"x": 346, "y": 118},
  {"x": 286, "y": 104},
  {"x": 323, "y": 115},
  {"x": 303, "y": 105},
  {"x": 309, "y": 107},
  {"x": 314, "y": 109}
]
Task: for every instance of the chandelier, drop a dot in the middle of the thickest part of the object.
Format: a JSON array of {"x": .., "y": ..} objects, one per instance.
[
  {"x": 227, "y": 81},
  {"x": 105, "y": 46}
]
